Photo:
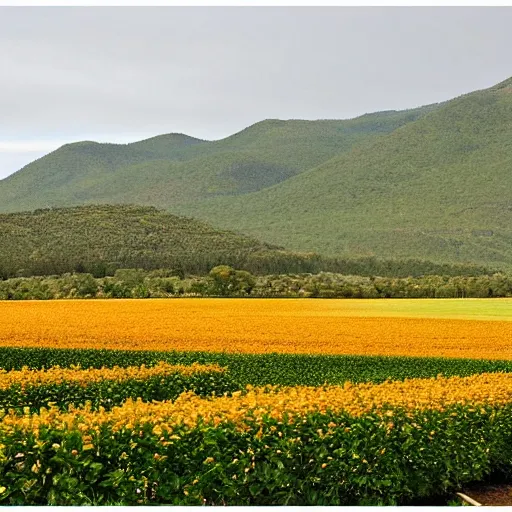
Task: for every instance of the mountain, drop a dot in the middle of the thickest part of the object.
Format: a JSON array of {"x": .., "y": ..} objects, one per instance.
[
  {"x": 438, "y": 188},
  {"x": 433, "y": 183},
  {"x": 74, "y": 167},
  {"x": 176, "y": 169}
]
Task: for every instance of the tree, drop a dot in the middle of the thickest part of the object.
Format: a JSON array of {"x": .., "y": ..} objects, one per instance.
[{"x": 226, "y": 281}]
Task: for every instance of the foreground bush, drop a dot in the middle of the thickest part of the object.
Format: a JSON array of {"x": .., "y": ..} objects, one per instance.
[
  {"x": 364, "y": 444},
  {"x": 319, "y": 459}
]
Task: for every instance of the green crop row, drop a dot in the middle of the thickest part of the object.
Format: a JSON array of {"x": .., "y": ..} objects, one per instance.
[
  {"x": 108, "y": 393},
  {"x": 360, "y": 461},
  {"x": 261, "y": 369}
]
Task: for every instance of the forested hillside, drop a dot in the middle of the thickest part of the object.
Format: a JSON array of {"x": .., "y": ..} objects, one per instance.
[
  {"x": 172, "y": 170},
  {"x": 430, "y": 184},
  {"x": 439, "y": 188},
  {"x": 102, "y": 239}
]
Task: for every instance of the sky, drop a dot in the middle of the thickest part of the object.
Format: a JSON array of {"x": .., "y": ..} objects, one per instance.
[{"x": 122, "y": 74}]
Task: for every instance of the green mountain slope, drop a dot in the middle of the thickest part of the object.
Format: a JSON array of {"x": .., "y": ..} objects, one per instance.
[
  {"x": 73, "y": 167},
  {"x": 432, "y": 183},
  {"x": 176, "y": 169},
  {"x": 102, "y": 238},
  {"x": 438, "y": 188}
]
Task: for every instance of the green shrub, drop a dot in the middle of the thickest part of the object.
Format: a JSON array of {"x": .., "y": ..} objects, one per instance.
[{"x": 306, "y": 461}]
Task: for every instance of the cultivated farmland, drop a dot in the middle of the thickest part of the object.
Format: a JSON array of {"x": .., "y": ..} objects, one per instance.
[
  {"x": 252, "y": 402},
  {"x": 443, "y": 328}
]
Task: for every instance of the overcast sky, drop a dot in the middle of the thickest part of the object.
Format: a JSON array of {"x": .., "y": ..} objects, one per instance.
[{"x": 127, "y": 73}]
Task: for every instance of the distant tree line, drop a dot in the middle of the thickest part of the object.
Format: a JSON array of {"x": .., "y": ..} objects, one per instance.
[
  {"x": 225, "y": 281},
  {"x": 259, "y": 262}
]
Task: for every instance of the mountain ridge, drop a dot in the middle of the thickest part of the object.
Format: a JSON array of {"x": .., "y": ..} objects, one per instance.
[
  {"x": 417, "y": 183},
  {"x": 259, "y": 156},
  {"x": 468, "y": 132}
]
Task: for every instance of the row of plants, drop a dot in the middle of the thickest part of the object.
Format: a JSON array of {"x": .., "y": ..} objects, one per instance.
[
  {"x": 262, "y": 449},
  {"x": 224, "y": 281},
  {"x": 260, "y": 369},
  {"x": 66, "y": 387},
  {"x": 84, "y": 376}
]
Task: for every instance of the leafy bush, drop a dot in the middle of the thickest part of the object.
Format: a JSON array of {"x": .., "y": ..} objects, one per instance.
[
  {"x": 228, "y": 282},
  {"x": 320, "y": 459}
]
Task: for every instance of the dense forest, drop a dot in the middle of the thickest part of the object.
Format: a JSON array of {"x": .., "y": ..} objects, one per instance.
[{"x": 99, "y": 240}]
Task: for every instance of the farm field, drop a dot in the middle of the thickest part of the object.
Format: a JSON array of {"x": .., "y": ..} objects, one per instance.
[
  {"x": 208, "y": 440},
  {"x": 459, "y": 328},
  {"x": 252, "y": 402}
]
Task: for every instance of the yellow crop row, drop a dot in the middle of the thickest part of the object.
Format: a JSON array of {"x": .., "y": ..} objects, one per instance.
[
  {"x": 249, "y": 326},
  {"x": 413, "y": 394},
  {"x": 83, "y": 377}
]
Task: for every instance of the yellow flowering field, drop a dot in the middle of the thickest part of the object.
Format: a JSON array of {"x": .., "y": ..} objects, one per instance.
[
  {"x": 438, "y": 393},
  {"x": 451, "y": 328},
  {"x": 377, "y": 444},
  {"x": 132, "y": 427},
  {"x": 55, "y": 375}
]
